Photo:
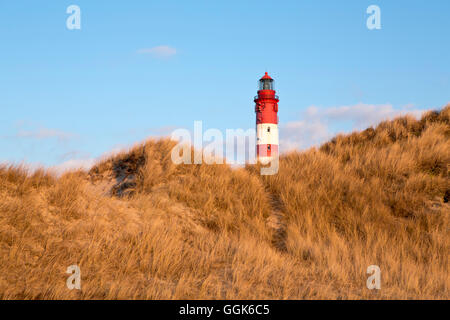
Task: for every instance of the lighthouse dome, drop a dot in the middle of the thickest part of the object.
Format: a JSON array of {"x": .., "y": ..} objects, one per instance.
[{"x": 266, "y": 83}]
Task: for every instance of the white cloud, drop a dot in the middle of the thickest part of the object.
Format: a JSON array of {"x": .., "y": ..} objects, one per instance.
[
  {"x": 316, "y": 126},
  {"x": 73, "y": 164},
  {"x": 74, "y": 154},
  {"x": 86, "y": 162},
  {"x": 159, "y": 51},
  {"x": 366, "y": 115},
  {"x": 302, "y": 134},
  {"x": 45, "y": 133}
]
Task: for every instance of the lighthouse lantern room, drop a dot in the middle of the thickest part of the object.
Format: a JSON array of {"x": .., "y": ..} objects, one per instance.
[{"x": 266, "y": 108}]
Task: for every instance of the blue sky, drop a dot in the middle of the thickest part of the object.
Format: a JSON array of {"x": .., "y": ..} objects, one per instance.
[{"x": 142, "y": 68}]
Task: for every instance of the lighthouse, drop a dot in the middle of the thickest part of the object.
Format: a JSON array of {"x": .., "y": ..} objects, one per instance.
[{"x": 266, "y": 108}]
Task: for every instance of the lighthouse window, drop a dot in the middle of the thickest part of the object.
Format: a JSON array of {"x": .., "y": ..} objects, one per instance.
[
  {"x": 266, "y": 84},
  {"x": 268, "y": 129},
  {"x": 268, "y": 147}
]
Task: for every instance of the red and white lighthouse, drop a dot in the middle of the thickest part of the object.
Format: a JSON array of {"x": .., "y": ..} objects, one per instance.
[{"x": 266, "y": 109}]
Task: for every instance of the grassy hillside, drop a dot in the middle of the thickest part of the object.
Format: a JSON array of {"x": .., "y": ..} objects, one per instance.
[{"x": 141, "y": 227}]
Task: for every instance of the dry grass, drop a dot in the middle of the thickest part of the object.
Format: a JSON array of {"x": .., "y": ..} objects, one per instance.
[{"x": 141, "y": 227}]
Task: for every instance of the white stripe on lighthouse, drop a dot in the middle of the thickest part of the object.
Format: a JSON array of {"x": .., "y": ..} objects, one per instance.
[
  {"x": 265, "y": 160},
  {"x": 267, "y": 133}
]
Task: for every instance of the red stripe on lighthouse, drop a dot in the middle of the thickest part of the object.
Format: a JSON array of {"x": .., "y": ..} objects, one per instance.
[{"x": 266, "y": 150}]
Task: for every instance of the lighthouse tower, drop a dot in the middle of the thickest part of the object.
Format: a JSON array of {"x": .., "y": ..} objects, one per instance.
[{"x": 266, "y": 109}]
